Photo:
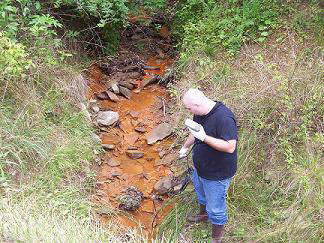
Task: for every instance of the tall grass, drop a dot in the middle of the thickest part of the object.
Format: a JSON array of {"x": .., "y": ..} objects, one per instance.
[{"x": 276, "y": 92}]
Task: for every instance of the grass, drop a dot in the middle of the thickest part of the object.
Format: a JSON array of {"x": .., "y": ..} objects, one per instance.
[{"x": 276, "y": 93}]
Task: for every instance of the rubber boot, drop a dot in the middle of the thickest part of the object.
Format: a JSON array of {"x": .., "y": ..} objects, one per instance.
[
  {"x": 217, "y": 233},
  {"x": 202, "y": 216}
]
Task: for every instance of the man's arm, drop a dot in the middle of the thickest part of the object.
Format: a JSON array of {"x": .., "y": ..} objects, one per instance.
[
  {"x": 190, "y": 141},
  {"x": 221, "y": 145}
]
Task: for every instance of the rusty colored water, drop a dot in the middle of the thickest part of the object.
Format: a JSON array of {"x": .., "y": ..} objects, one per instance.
[{"x": 142, "y": 173}]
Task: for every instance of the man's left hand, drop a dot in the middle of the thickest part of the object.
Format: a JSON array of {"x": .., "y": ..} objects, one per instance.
[{"x": 201, "y": 134}]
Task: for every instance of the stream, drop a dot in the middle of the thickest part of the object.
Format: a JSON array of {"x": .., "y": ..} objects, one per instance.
[{"x": 135, "y": 173}]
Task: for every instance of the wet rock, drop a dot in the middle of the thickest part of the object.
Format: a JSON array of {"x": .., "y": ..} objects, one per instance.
[
  {"x": 169, "y": 158},
  {"x": 125, "y": 92},
  {"x": 115, "y": 88},
  {"x": 131, "y": 199},
  {"x": 103, "y": 96},
  {"x": 158, "y": 133},
  {"x": 135, "y": 154},
  {"x": 112, "y": 162},
  {"x": 151, "y": 68},
  {"x": 116, "y": 172},
  {"x": 107, "y": 118},
  {"x": 132, "y": 148},
  {"x": 140, "y": 129},
  {"x": 112, "y": 96},
  {"x": 134, "y": 114},
  {"x": 147, "y": 81},
  {"x": 126, "y": 84},
  {"x": 134, "y": 75},
  {"x": 164, "y": 185},
  {"x": 108, "y": 146}
]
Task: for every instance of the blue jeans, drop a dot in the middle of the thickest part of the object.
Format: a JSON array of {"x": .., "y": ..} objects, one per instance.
[{"x": 213, "y": 195}]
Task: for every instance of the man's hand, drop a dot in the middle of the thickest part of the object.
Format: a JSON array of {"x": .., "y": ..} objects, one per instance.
[
  {"x": 201, "y": 134},
  {"x": 183, "y": 152}
]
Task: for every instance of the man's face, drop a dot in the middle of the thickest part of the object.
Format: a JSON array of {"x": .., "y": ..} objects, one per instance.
[{"x": 193, "y": 108}]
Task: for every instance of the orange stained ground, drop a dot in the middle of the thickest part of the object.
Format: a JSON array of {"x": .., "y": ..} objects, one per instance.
[{"x": 142, "y": 173}]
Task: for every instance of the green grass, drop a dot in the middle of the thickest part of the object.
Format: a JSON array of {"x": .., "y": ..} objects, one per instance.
[{"x": 276, "y": 92}]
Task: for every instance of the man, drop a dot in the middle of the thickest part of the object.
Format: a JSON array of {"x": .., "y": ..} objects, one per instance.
[{"x": 214, "y": 156}]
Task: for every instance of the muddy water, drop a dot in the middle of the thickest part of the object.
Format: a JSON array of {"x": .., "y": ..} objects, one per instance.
[{"x": 145, "y": 109}]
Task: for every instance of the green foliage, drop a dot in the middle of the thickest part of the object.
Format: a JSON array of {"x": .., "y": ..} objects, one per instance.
[
  {"x": 205, "y": 25},
  {"x": 14, "y": 59}
]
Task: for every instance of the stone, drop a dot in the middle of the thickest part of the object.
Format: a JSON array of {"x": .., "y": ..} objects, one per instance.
[
  {"x": 135, "y": 154},
  {"x": 115, "y": 88},
  {"x": 108, "y": 146},
  {"x": 164, "y": 185},
  {"x": 126, "y": 84},
  {"x": 140, "y": 129},
  {"x": 134, "y": 114},
  {"x": 103, "y": 96},
  {"x": 169, "y": 158},
  {"x": 133, "y": 75},
  {"x": 151, "y": 68},
  {"x": 160, "y": 132},
  {"x": 107, "y": 118},
  {"x": 147, "y": 81},
  {"x": 112, "y": 162},
  {"x": 131, "y": 199},
  {"x": 125, "y": 92},
  {"x": 116, "y": 172},
  {"x": 112, "y": 96}
]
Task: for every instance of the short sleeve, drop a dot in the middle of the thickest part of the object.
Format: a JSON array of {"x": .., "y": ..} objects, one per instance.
[{"x": 227, "y": 129}]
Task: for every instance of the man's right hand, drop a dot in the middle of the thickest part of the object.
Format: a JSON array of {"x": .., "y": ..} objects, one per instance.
[{"x": 183, "y": 152}]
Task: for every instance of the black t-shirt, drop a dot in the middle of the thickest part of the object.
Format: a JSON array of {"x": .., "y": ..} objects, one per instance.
[{"x": 210, "y": 163}]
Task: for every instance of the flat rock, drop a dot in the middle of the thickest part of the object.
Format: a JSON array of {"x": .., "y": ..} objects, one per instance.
[
  {"x": 112, "y": 162},
  {"x": 147, "y": 81},
  {"x": 125, "y": 92},
  {"x": 107, "y": 118},
  {"x": 132, "y": 75},
  {"x": 167, "y": 160},
  {"x": 135, "y": 154},
  {"x": 108, "y": 146},
  {"x": 126, "y": 84},
  {"x": 134, "y": 114},
  {"x": 112, "y": 96},
  {"x": 164, "y": 185},
  {"x": 160, "y": 132},
  {"x": 116, "y": 172},
  {"x": 115, "y": 88},
  {"x": 103, "y": 96},
  {"x": 140, "y": 129}
]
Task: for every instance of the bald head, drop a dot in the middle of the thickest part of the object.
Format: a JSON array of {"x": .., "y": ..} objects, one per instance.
[
  {"x": 194, "y": 97},
  {"x": 196, "y": 102}
]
